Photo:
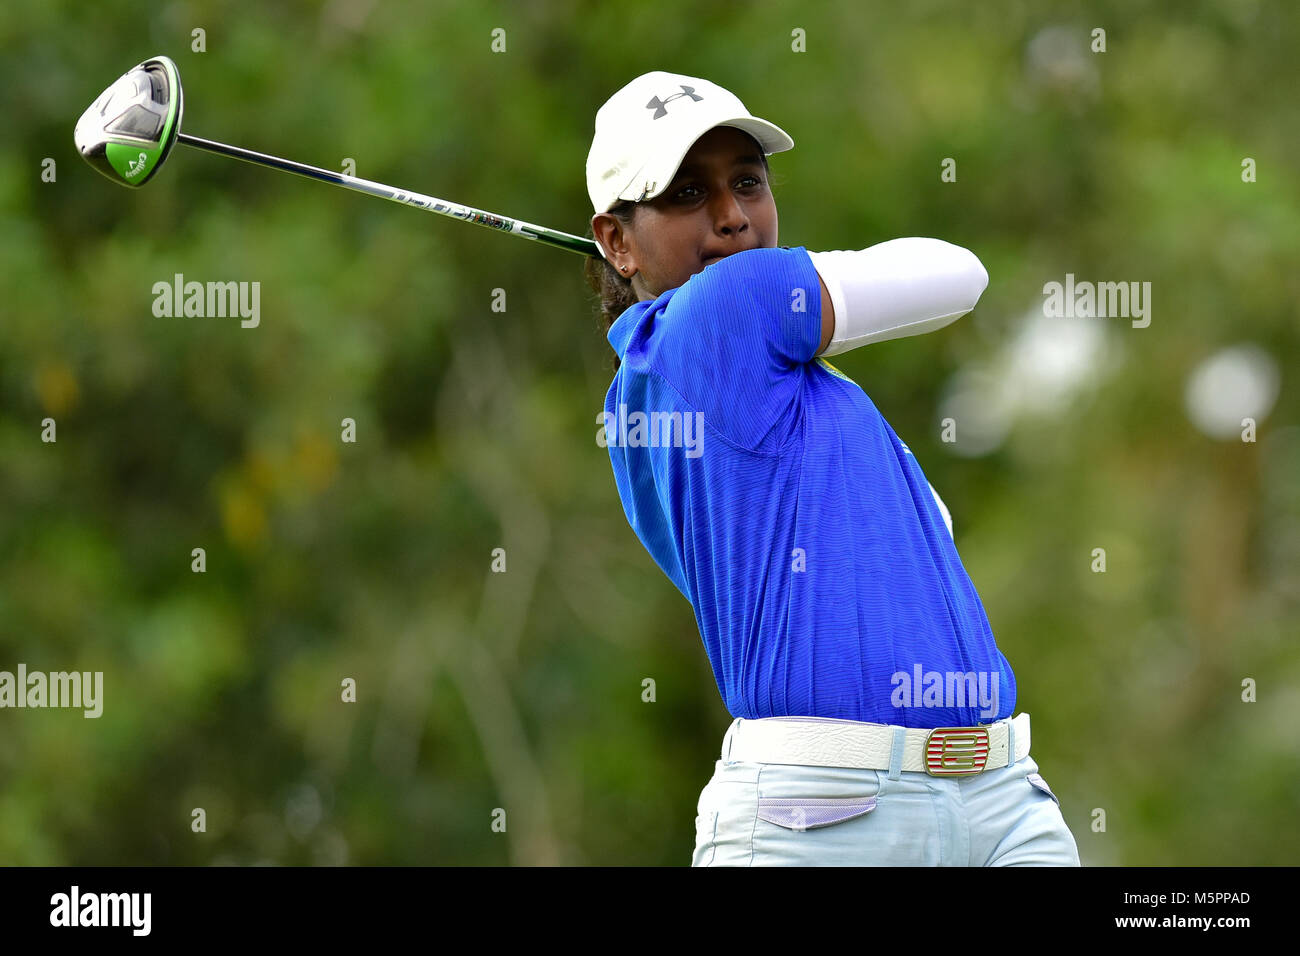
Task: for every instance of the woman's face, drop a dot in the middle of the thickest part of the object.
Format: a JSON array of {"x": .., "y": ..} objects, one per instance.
[{"x": 719, "y": 203}]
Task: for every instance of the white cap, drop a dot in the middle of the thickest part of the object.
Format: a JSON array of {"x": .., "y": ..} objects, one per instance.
[{"x": 645, "y": 130}]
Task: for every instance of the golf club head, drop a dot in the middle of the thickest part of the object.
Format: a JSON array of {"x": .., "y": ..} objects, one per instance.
[{"x": 129, "y": 130}]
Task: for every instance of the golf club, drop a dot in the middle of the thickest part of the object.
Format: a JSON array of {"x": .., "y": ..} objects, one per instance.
[{"x": 129, "y": 131}]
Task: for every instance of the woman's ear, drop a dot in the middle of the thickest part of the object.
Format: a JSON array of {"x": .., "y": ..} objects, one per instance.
[
  {"x": 610, "y": 236},
  {"x": 605, "y": 228}
]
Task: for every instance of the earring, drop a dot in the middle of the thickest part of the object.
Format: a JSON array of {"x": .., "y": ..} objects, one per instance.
[{"x": 625, "y": 268}]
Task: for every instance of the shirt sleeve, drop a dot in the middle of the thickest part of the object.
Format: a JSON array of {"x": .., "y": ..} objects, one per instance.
[{"x": 735, "y": 340}]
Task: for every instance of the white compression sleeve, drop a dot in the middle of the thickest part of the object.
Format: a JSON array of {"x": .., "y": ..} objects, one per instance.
[
  {"x": 943, "y": 509},
  {"x": 897, "y": 288}
]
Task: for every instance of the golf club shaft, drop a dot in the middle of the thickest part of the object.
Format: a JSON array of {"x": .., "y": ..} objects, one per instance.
[{"x": 527, "y": 230}]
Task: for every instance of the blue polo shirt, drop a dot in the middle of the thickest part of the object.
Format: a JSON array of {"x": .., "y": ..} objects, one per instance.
[{"x": 779, "y": 501}]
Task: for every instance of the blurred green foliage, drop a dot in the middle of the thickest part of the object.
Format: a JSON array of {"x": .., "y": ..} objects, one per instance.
[{"x": 476, "y": 429}]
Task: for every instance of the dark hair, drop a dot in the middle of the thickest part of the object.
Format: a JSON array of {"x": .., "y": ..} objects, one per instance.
[{"x": 615, "y": 290}]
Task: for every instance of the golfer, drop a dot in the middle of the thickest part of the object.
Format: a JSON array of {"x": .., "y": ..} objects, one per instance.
[{"x": 872, "y": 708}]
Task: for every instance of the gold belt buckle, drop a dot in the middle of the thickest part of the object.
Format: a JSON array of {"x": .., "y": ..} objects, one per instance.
[{"x": 956, "y": 751}]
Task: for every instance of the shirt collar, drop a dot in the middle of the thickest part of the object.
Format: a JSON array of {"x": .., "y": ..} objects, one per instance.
[
  {"x": 620, "y": 332},
  {"x": 625, "y": 326}
]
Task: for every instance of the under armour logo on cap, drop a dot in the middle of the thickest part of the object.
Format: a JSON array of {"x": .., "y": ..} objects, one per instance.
[{"x": 660, "y": 106}]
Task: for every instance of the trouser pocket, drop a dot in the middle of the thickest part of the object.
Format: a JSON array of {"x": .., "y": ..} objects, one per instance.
[
  {"x": 1040, "y": 784},
  {"x": 810, "y": 813},
  {"x": 724, "y": 818},
  {"x": 819, "y": 816}
]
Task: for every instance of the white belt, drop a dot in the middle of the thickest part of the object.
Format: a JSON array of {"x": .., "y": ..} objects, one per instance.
[{"x": 823, "y": 742}]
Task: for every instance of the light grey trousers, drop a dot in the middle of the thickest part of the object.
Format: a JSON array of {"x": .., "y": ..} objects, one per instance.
[{"x": 768, "y": 814}]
